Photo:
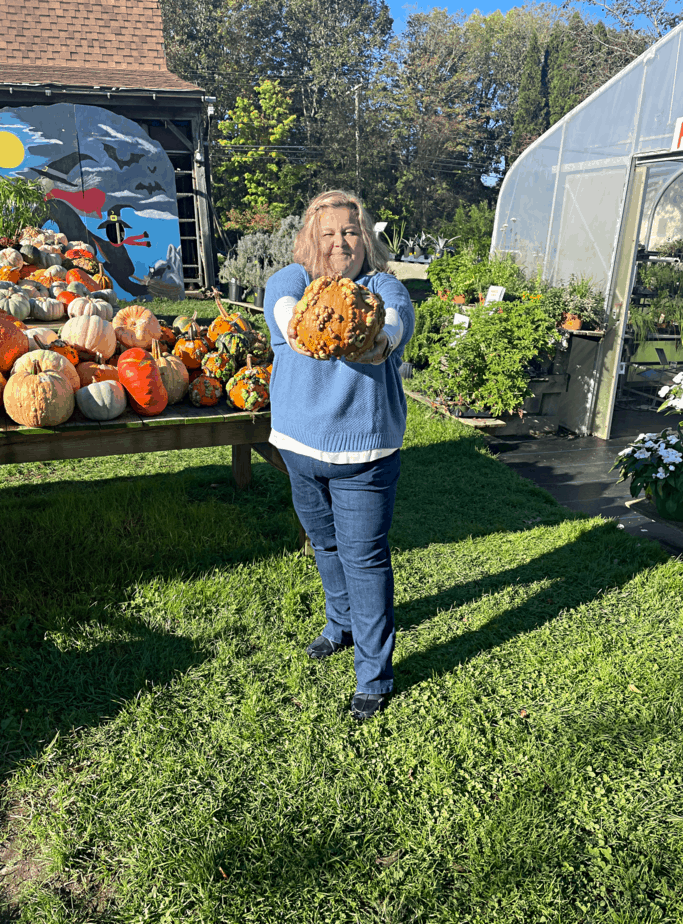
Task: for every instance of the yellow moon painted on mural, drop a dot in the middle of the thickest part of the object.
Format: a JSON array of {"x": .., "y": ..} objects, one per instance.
[{"x": 11, "y": 150}]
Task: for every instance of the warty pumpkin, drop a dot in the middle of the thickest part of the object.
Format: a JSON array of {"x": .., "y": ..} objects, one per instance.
[
  {"x": 140, "y": 376},
  {"x": 205, "y": 391},
  {"x": 174, "y": 374},
  {"x": 219, "y": 364},
  {"x": 182, "y": 324},
  {"x": 48, "y": 360},
  {"x": 248, "y": 389},
  {"x": 136, "y": 326},
  {"x": 13, "y": 344},
  {"x": 38, "y": 399},
  {"x": 336, "y": 317}
]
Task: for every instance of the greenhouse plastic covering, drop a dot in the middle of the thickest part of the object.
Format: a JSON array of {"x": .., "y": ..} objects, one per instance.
[{"x": 561, "y": 202}]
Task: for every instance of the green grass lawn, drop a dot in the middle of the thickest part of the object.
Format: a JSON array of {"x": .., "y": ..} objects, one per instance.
[{"x": 171, "y": 755}]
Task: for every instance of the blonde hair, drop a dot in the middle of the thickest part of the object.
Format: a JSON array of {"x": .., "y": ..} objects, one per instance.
[{"x": 307, "y": 246}]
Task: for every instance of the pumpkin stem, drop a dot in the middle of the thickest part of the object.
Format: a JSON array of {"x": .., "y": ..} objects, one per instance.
[
  {"x": 35, "y": 367},
  {"x": 39, "y": 343},
  {"x": 156, "y": 350},
  {"x": 223, "y": 313},
  {"x": 249, "y": 358}
]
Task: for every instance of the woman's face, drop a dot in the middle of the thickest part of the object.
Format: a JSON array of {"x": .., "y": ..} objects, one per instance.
[{"x": 342, "y": 241}]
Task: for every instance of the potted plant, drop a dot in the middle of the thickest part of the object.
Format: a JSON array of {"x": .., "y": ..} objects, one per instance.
[
  {"x": 395, "y": 241},
  {"x": 440, "y": 245},
  {"x": 654, "y": 463}
]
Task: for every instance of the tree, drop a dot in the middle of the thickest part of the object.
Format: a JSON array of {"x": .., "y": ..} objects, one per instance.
[
  {"x": 648, "y": 19},
  {"x": 256, "y": 173},
  {"x": 564, "y": 79},
  {"x": 531, "y": 115}
]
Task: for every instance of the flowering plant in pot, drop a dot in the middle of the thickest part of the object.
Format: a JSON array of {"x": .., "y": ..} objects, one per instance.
[{"x": 654, "y": 463}]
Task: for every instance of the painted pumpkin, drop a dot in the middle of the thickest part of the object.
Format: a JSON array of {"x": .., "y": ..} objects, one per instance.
[
  {"x": 103, "y": 400},
  {"x": 48, "y": 360},
  {"x": 85, "y": 279},
  {"x": 96, "y": 371},
  {"x": 59, "y": 346},
  {"x": 38, "y": 399},
  {"x": 191, "y": 348},
  {"x": 248, "y": 389},
  {"x": 174, "y": 374},
  {"x": 136, "y": 326},
  {"x": 140, "y": 376},
  {"x": 205, "y": 391},
  {"x": 336, "y": 317},
  {"x": 90, "y": 335},
  {"x": 13, "y": 344},
  {"x": 48, "y": 309}
]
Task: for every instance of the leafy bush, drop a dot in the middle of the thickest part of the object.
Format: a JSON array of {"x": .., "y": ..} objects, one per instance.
[
  {"x": 468, "y": 274},
  {"x": 472, "y": 227},
  {"x": 259, "y": 255},
  {"x": 486, "y": 368},
  {"x": 432, "y": 317}
]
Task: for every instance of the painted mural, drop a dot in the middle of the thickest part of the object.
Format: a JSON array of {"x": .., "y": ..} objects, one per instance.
[{"x": 108, "y": 184}]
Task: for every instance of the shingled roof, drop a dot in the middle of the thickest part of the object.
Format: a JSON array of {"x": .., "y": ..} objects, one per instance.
[{"x": 91, "y": 43}]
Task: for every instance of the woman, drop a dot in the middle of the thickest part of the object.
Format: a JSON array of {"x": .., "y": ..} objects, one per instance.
[{"x": 339, "y": 425}]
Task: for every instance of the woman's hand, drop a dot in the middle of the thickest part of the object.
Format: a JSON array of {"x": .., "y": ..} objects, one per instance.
[{"x": 377, "y": 353}]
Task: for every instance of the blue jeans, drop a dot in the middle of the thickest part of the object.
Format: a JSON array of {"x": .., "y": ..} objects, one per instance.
[{"x": 346, "y": 511}]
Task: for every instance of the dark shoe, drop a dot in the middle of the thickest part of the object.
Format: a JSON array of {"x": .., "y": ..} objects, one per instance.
[
  {"x": 365, "y": 705},
  {"x": 322, "y": 647}
]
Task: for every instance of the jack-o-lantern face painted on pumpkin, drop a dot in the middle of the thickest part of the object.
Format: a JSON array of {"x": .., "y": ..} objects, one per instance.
[{"x": 341, "y": 241}]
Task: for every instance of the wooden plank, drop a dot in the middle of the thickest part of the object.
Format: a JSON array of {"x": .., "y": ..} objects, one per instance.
[{"x": 271, "y": 454}]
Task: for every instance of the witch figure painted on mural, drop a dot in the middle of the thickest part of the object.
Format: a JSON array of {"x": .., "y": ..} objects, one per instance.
[{"x": 109, "y": 184}]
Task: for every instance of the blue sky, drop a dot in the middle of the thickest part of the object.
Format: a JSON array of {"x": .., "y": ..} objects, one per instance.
[{"x": 400, "y": 9}]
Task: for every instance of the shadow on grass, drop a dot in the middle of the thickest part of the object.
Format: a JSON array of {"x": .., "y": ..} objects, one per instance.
[{"x": 579, "y": 571}]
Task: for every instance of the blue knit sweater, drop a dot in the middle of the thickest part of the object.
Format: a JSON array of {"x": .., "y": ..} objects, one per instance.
[{"x": 335, "y": 405}]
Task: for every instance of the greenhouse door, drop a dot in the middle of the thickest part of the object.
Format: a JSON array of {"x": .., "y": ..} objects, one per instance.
[{"x": 642, "y": 348}]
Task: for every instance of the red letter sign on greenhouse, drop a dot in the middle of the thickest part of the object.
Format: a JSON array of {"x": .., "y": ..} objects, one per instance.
[{"x": 677, "y": 143}]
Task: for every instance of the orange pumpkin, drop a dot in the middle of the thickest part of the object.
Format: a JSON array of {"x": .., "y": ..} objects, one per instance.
[
  {"x": 10, "y": 273},
  {"x": 97, "y": 371},
  {"x": 66, "y": 297},
  {"x": 191, "y": 348},
  {"x": 3, "y": 382},
  {"x": 136, "y": 326},
  {"x": 167, "y": 336},
  {"x": 25, "y": 271},
  {"x": 35, "y": 398},
  {"x": 79, "y": 275},
  {"x": 103, "y": 282},
  {"x": 48, "y": 361},
  {"x": 13, "y": 344},
  {"x": 140, "y": 376},
  {"x": 225, "y": 323}
]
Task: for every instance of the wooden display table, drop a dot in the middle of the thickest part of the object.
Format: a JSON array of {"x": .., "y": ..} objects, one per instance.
[{"x": 179, "y": 427}]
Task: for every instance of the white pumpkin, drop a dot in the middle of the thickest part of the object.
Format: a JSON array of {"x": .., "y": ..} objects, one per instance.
[
  {"x": 12, "y": 257},
  {"x": 57, "y": 287},
  {"x": 16, "y": 304},
  {"x": 61, "y": 239},
  {"x": 48, "y": 259},
  {"x": 48, "y": 309},
  {"x": 56, "y": 272},
  {"x": 29, "y": 288},
  {"x": 101, "y": 400},
  {"x": 89, "y": 306},
  {"x": 45, "y": 334},
  {"x": 90, "y": 334}
]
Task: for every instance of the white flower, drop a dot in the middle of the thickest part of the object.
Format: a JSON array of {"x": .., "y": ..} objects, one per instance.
[
  {"x": 673, "y": 438},
  {"x": 672, "y": 468},
  {"x": 642, "y": 454},
  {"x": 678, "y": 379},
  {"x": 660, "y": 473},
  {"x": 664, "y": 391},
  {"x": 627, "y": 451}
]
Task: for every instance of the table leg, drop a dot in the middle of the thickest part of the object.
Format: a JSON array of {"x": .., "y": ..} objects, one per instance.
[{"x": 241, "y": 465}]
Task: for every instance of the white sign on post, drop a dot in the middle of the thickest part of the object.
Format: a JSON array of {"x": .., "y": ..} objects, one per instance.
[
  {"x": 463, "y": 322},
  {"x": 677, "y": 142},
  {"x": 494, "y": 294}
]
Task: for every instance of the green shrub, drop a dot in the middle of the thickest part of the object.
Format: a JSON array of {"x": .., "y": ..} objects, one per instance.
[
  {"x": 469, "y": 275},
  {"x": 486, "y": 368}
]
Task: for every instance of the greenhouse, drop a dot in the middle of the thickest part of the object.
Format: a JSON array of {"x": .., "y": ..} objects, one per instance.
[{"x": 600, "y": 195}]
